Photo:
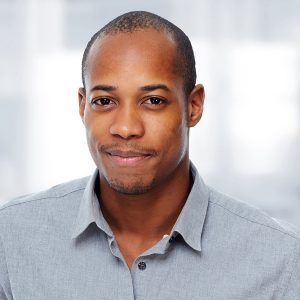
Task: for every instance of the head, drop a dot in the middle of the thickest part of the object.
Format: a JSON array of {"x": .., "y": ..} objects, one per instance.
[
  {"x": 134, "y": 21},
  {"x": 139, "y": 100}
]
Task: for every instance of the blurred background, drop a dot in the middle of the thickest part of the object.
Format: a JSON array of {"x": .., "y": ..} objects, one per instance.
[{"x": 247, "y": 52}]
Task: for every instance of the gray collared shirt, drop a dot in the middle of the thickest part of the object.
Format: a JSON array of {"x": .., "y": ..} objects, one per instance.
[{"x": 57, "y": 245}]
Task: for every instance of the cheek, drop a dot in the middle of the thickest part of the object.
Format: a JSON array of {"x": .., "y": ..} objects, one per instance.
[
  {"x": 94, "y": 133},
  {"x": 176, "y": 126},
  {"x": 170, "y": 133},
  {"x": 179, "y": 138}
]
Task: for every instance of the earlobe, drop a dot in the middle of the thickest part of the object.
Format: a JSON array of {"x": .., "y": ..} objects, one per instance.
[
  {"x": 195, "y": 105},
  {"x": 81, "y": 102}
]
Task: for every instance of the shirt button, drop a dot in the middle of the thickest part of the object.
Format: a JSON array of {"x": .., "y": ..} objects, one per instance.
[
  {"x": 142, "y": 265},
  {"x": 171, "y": 240}
]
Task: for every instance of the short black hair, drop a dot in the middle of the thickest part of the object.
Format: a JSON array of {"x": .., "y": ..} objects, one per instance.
[{"x": 138, "y": 20}]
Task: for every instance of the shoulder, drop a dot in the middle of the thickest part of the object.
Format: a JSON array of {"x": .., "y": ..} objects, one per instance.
[
  {"x": 245, "y": 215},
  {"x": 263, "y": 246},
  {"x": 44, "y": 199}
]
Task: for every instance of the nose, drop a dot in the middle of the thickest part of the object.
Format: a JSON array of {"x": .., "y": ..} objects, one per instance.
[{"x": 127, "y": 123}]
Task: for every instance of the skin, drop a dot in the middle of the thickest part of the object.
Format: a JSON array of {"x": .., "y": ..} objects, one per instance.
[{"x": 137, "y": 122}]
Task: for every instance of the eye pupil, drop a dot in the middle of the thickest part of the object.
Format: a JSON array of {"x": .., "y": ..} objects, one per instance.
[
  {"x": 104, "y": 101},
  {"x": 155, "y": 100}
]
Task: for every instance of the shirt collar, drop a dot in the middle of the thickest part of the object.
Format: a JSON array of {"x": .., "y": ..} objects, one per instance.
[
  {"x": 189, "y": 224},
  {"x": 89, "y": 210}
]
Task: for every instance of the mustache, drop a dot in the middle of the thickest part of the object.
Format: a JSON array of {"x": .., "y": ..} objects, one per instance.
[{"x": 128, "y": 147}]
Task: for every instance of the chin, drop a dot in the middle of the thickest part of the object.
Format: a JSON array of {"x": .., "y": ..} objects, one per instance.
[{"x": 136, "y": 188}]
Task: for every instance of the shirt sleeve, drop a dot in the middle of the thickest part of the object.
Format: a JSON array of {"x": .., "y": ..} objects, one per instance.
[
  {"x": 292, "y": 291},
  {"x": 5, "y": 290}
]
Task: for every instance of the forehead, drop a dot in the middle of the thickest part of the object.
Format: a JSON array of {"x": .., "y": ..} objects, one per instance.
[{"x": 141, "y": 53}]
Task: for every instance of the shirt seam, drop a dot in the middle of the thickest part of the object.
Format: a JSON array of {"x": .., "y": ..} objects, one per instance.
[
  {"x": 255, "y": 222},
  {"x": 42, "y": 198}
]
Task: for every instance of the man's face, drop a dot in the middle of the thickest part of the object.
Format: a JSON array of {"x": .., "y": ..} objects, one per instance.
[{"x": 134, "y": 110}]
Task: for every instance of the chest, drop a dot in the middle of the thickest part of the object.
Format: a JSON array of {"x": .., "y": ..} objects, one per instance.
[{"x": 92, "y": 271}]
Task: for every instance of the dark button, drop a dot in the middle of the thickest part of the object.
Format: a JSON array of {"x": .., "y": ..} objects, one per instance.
[
  {"x": 142, "y": 265},
  {"x": 172, "y": 239}
]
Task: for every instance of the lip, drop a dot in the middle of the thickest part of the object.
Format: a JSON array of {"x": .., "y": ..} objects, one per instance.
[{"x": 128, "y": 158}]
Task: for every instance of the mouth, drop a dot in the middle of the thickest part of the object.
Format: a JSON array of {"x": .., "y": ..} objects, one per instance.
[{"x": 128, "y": 158}]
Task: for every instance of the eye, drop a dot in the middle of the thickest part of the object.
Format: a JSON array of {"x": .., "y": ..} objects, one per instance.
[
  {"x": 155, "y": 101},
  {"x": 103, "y": 101}
]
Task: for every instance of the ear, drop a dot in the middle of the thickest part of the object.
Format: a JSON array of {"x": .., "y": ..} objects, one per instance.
[
  {"x": 195, "y": 105},
  {"x": 82, "y": 102}
]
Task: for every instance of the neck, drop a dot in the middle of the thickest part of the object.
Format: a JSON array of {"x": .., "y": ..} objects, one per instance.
[{"x": 149, "y": 215}]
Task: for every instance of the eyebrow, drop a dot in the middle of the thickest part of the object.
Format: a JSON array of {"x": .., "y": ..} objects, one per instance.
[
  {"x": 103, "y": 87},
  {"x": 153, "y": 87}
]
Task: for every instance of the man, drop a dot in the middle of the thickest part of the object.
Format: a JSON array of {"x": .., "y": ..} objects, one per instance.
[{"x": 144, "y": 226}]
